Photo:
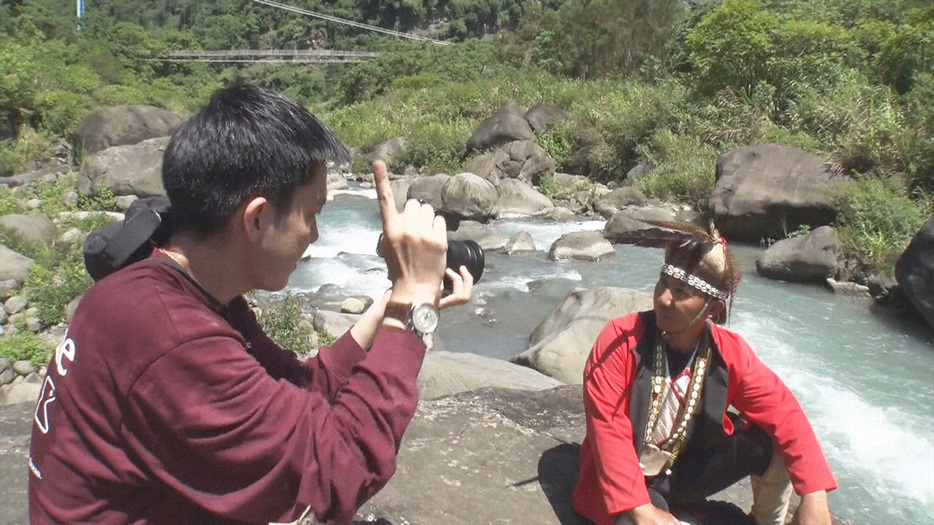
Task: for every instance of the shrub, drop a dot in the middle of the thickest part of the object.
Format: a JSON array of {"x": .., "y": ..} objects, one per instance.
[
  {"x": 26, "y": 346},
  {"x": 876, "y": 218},
  {"x": 283, "y": 325},
  {"x": 684, "y": 168}
]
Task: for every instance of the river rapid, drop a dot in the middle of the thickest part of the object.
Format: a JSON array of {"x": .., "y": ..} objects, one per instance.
[{"x": 865, "y": 377}]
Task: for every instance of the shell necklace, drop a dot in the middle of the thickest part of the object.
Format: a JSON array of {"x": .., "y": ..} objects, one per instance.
[{"x": 654, "y": 459}]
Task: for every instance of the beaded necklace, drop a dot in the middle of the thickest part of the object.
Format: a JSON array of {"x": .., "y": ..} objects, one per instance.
[{"x": 653, "y": 459}]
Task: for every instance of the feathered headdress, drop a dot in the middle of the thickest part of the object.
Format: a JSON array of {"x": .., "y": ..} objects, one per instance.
[{"x": 697, "y": 256}]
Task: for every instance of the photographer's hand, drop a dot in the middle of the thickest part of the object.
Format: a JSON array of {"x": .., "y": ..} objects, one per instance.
[
  {"x": 461, "y": 288},
  {"x": 414, "y": 245}
]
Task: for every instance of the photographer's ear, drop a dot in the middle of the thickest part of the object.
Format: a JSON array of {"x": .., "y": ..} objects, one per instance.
[{"x": 257, "y": 216}]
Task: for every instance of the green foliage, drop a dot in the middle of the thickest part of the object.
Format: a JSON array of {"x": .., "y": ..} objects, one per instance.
[
  {"x": 596, "y": 39},
  {"x": 684, "y": 168},
  {"x": 549, "y": 186},
  {"x": 283, "y": 325},
  {"x": 876, "y": 218},
  {"x": 25, "y": 346},
  {"x": 57, "y": 277},
  {"x": 558, "y": 141}
]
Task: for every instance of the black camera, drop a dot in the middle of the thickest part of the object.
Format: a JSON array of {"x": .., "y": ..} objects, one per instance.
[{"x": 460, "y": 253}]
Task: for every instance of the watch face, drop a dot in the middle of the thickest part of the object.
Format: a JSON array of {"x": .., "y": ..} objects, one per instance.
[{"x": 425, "y": 318}]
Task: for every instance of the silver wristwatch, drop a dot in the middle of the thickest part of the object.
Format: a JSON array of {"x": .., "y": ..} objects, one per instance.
[{"x": 422, "y": 318}]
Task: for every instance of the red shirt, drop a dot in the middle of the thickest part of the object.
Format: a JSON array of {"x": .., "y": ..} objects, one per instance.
[
  {"x": 611, "y": 481},
  {"x": 159, "y": 408}
]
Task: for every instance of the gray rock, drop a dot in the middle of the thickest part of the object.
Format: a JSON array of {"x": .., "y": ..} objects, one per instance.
[
  {"x": 336, "y": 182},
  {"x": 447, "y": 373},
  {"x": 763, "y": 191},
  {"x": 530, "y": 161},
  {"x": 400, "y": 191},
  {"x": 125, "y": 170},
  {"x": 914, "y": 271},
  {"x": 70, "y": 199},
  {"x": 124, "y": 201},
  {"x": 488, "y": 456},
  {"x": 627, "y": 226},
  {"x": 15, "y": 429},
  {"x": 73, "y": 236},
  {"x": 428, "y": 189},
  {"x": 387, "y": 151},
  {"x": 25, "y": 391},
  {"x": 490, "y": 166},
  {"x": 520, "y": 242},
  {"x": 559, "y": 213},
  {"x": 542, "y": 116},
  {"x": 847, "y": 288},
  {"x": 32, "y": 229},
  {"x": 356, "y": 305},
  {"x": 469, "y": 197},
  {"x": 610, "y": 203},
  {"x": 485, "y": 237},
  {"x": 124, "y": 125},
  {"x": 6, "y": 371},
  {"x": 559, "y": 345},
  {"x": 15, "y": 304},
  {"x": 333, "y": 323},
  {"x": 517, "y": 197},
  {"x": 582, "y": 246},
  {"x": 811, "y": 258},
  {"x": 14, "y": 268},
  {"x": 24, "y": 368},
  {"x": 504, "y": 126}
]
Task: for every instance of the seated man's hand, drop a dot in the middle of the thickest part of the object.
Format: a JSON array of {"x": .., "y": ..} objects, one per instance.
[
  {"x": 647, "y": 514},
  {"x": 813, "y": 510}
]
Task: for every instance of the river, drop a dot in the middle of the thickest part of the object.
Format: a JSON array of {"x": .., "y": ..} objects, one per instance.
[{"x": 865, "y": 377}]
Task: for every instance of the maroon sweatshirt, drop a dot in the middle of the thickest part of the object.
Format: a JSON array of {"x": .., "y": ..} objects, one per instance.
[{"x": 162, "y": 408}]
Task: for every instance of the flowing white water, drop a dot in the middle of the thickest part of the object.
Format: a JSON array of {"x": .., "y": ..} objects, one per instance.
[{"x": 865, "y": 378}]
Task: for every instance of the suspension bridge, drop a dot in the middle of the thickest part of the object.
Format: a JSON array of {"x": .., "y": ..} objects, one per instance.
[{"x": 296, "y": 56}]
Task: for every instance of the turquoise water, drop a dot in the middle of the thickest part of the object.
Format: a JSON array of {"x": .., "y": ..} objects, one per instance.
[{"x": 865, "y": 377}]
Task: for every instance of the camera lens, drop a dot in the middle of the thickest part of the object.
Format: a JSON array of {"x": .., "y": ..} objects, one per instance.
[
  {"x": 460, "y": 253},
  {"x": 465, "y": 253}
]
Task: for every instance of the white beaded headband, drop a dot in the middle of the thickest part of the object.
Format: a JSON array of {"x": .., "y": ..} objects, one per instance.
[{"x": 694, "y": 281}]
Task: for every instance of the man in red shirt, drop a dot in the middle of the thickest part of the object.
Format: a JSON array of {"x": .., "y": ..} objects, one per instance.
[
  {"x": 166, "y": 403},
  {"x": 657, "y": 388}
]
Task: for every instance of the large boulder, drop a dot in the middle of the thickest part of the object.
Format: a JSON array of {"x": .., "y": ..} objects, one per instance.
[
  {"x": 581, "y": 246},
  {"x": 610, "y": 203},
  {"x": 519, "y": 159},
  {"x": 914, "y": 271},
  {"x": 31, "y": 229},
  {"x": 14, "y": 266},
  {"x": 517, "y": 197},
  {"x": 469, "y": 197},
  {"x": 387, "y": 151},
  {"x": 124, "y": 125},
  {"x": 489, "y": 240},
  {"x": 627, "y": 226},
  {"x": 811, "y": 258},
  {"x": 487, "y": 456},
  {"x": 428, "y": 189},
  {"x": 767, "y": 190},
  {"x": 504, "y": 126},
  {"x": 559, "y": 345},
  {"x": 542, "y": 116},
  {"x": 125, "y": 170},
  {"x": 448, "y": 373}
]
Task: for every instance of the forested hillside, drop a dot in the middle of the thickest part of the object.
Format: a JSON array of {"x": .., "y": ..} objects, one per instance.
[{"x": 670, "y": 83}]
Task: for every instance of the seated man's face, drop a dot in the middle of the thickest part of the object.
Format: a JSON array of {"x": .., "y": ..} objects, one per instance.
[
  {"x": 283, "y": 244},
  {"x": 676, "y": 304}
]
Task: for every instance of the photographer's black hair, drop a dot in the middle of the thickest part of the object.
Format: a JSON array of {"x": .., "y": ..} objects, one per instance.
[{"x": 247, "y": 142}]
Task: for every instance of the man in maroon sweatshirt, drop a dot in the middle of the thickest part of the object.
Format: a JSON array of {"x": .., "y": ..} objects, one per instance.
[{"x": 165, "y": 403}]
